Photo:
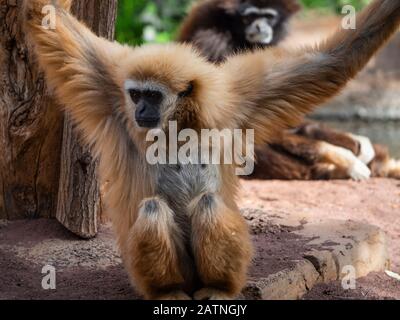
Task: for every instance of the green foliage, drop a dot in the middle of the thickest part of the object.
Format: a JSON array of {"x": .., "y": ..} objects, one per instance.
[
  {"x": 129, "y": 27},
  {"x": 149, "y": 20},
  {"x": 142, "y": 21},
  {"x": 333, "y": 5}
]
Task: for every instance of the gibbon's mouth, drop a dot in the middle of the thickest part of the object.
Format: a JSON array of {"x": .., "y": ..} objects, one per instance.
[
  {"x": 261, "y": 38},
  {"x": 148, "y": 123},
  {"x": 260, "y": 33}
]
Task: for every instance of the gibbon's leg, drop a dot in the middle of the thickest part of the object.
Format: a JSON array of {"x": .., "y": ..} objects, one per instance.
[
  {"x": 275, "y": 164},
  {"x": 367, "y": 151},
  {"x": 152, "y": 252},
  {"x": 221, "y": 246},
  {"x": 319, "y": 131},
  {"x": 344, "y": 160},
  {"x": 313, "y": 151},
  {"x": 328, "y": 171}
]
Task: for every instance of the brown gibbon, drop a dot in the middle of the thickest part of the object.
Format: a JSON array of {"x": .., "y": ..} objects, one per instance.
[
  {"x": 178, "y": 227},
  {"x": 220, "y": 28}
]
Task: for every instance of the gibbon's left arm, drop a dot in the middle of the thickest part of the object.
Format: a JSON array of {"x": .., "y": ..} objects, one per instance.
[
  {"x": 78, "y": 65},
  {"x": 274, "y": 88},
  {"x": 213, "y": 45}
]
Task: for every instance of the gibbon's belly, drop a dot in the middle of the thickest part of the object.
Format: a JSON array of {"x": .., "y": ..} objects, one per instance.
[{"x": 179, "y": 184}]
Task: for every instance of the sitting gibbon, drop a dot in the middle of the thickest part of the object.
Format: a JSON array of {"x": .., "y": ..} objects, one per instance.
[
  {"x": 220, "y": 28},
  {"x": 179, "y": 229}
]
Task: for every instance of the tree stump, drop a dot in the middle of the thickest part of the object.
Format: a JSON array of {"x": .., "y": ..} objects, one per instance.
[
  {"x": 79, "y": 204},
  {"x": 44, "y": 171},
  {"x": 30, "y": 127}
]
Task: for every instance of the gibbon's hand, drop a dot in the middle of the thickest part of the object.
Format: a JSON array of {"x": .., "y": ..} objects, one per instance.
[{"x": 276, "y": 87}]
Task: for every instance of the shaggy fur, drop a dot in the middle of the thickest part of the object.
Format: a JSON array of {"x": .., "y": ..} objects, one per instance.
[
  {"x": 311, "y": 151},
  {"x": 267, "y": 90}
]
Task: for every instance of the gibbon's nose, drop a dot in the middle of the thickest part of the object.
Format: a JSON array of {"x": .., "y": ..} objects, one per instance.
[
  {"x": 142, "y": 109},
  {"x": 261, "y": 25},
  {"x": 147, "y": 115}
]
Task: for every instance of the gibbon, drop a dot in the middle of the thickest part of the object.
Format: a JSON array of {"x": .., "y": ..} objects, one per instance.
[
  {"x": 219, "y": 28},
  {"x": 179, "y": 229}
]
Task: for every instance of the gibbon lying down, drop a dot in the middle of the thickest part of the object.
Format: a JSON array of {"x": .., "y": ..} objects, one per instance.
[
  {"x": 179, "y": 229},
  {"x": 221, "y": 28}
]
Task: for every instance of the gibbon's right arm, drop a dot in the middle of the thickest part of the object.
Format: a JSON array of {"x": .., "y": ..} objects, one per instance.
[
  {"x": 77, "y": 64},
  {"x": 274, "y": 88}
]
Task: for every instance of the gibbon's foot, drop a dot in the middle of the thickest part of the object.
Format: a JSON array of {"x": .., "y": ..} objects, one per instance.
[
  {"x": 221, "y": 247},
  {"x": 367, "y": 151},
  {"x": 344, "y": 158},
  {"x": 174, "y": 295},
  {"x": 358, "y": 171},
  {"x": 152, "y": 252},
  {"x": 212, "y": 294}
]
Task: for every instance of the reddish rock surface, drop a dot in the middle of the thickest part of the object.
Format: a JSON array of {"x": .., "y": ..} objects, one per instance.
[
  {"x": 375, "y": 202},
  {"x": 92, "y": 269}
]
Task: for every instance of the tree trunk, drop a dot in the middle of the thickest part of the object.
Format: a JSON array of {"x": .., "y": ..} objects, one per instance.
[
  {"x": 43, "y": 172},
  {"x": 79, "y": 205},
  {"x": 30, "y": 127}
]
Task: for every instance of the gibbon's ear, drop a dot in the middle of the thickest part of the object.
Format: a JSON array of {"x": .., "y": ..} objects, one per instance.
[
  {"x": 78, "y": 65},
  {"x": 273, "y": 89}
]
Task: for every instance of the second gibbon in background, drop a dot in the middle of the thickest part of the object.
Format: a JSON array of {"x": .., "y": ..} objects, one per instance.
[{"x": 220, "y": 28}]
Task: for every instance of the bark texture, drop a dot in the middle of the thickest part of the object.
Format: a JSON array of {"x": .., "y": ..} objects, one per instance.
[
  {"x": 44, "y": 171},
  {"x": 30, "y": 127},
  {"x": 79, "y": 204}
]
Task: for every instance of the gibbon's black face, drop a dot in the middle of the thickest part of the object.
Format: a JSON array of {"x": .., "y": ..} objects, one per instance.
[
  {"x": 148, "y": 104},
  {"x": 151, "y": 102},
  {"x": 261, "y": 25}
]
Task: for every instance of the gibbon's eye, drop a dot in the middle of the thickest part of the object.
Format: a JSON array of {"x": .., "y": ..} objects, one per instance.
[
  {"x": 246, "y": 20},
  {"x": 153, "y": 97},
  {"x": 136, "y": 95},
  {"x": 273, "y": 18},
  {"x": 187, "y": 92}
]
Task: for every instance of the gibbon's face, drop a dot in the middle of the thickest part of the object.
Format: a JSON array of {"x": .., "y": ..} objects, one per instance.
[
  {"x": 166, "y": 83},
  {"x": 262, "y": 22}
]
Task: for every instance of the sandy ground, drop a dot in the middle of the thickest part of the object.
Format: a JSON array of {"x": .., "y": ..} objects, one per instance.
[
  {"x": 93, "y": 270},
  {"x": 376, "y": 202}
]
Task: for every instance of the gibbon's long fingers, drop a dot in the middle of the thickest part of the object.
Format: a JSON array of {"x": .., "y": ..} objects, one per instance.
[
  {"x": 276, "y": 87},
  {"x": 152, "y": 252},
  {"x": 77, "y": 64},
  {"x": 221, "y": 247}
]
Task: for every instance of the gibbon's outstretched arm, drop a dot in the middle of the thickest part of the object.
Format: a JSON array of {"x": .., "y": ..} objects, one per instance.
[
  {"x": 77, "y": 64},
  {"x": 276, "y": 87}
]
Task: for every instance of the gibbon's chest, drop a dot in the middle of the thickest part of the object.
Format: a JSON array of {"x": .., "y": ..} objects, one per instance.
[{"x": 179, "y": 184}]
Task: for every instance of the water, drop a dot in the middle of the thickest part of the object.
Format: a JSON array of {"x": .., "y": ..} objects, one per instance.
[{"x": 387, "y": 133}]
